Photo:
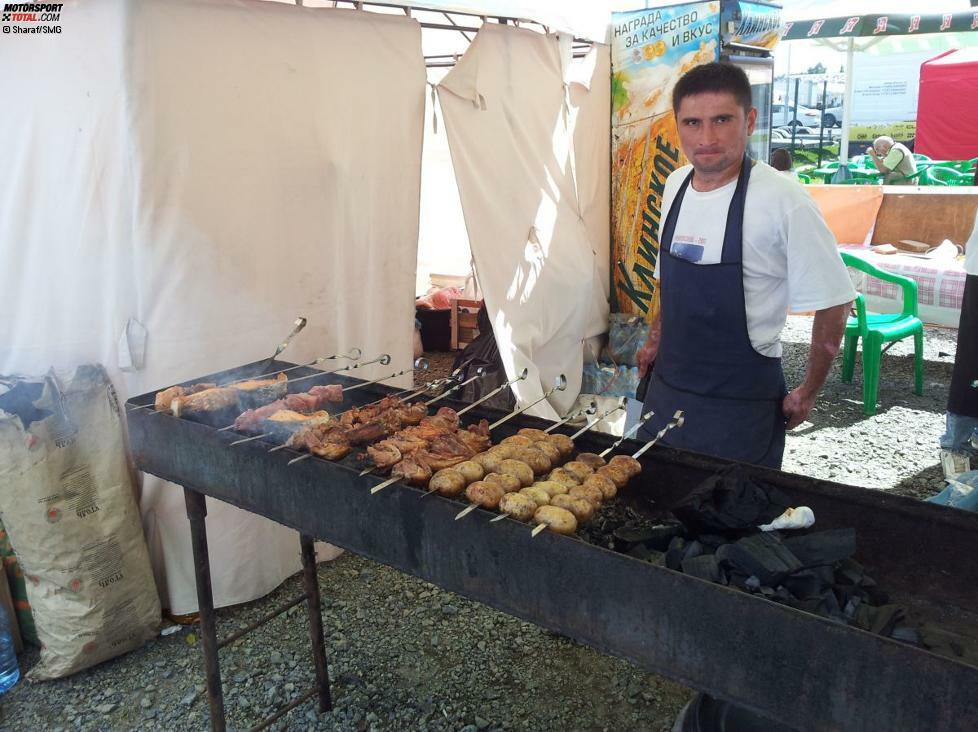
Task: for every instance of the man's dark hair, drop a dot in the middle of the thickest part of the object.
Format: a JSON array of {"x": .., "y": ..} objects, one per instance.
[{"x": 713, "y": 77}]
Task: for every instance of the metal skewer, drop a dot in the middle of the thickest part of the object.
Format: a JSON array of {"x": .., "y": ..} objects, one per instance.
[
  {"x": 383, "y": 359},
  {"x": 466, "y": 511},
  {"x": 523, "y": 374},
  {"x": 589, "y": 410},
  {"x": 560, "y": 383},
  {"x": 299, "y": 324},
  {"x": 479, "y": 373},
  {"x": 589, "y": 425},
  {"x": 629, "y": 433},
  {"x": 353, "y": 355},
  {"x": 677, "y": 421}
]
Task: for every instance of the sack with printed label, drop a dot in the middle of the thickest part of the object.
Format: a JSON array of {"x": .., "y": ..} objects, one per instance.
[{"x": 66, "y": 500}]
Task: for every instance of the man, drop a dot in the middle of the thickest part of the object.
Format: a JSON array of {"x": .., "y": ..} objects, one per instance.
[
  {"x": 893, "y": 160},
  {"x": 739, "y": 246},
  {"x": 959, "y": 452}
]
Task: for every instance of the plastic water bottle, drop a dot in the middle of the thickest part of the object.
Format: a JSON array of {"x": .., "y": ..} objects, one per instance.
[{"x": 9, "y": 670}]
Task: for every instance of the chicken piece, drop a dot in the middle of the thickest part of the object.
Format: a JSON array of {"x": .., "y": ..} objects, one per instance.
[
  {"x": 480, "y": 428},
  {"x": 384, "y": 454},
  {"x": 592, "y": 460},
  {"x": 283, "y": 423},
  {"x": 331, "y": 450},
  {"x": 438, "y": 461},
  {"x": 412, "y": 414},
  {"x": 448, "y": 416},
  {"x": 578, "y": 469},
  {"x": 448, "y": 482},
  {"x": 509, "y": 483},
  {"x": 484, "y": 494},
  {"x": 518, "y": 506},
  {"x": 558, "y": 520},
  {"x": 325, "y": 393},
  {"x": 476, "y": 441},
  {"x": 365, "y": 433},
  {"x": 627, "y": 463},
  {"x": 603, "y": 483},
  {"x": 582, "y": 509},
  {"x": 412, "y": 469},
  {"x": 451, "y": 444}
]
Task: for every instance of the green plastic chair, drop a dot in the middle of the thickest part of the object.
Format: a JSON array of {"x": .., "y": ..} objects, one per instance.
[
  {"x": 920, "y": 157},
  {"x": 941, "y": 176},
  {"x": 877, "y": 329}
]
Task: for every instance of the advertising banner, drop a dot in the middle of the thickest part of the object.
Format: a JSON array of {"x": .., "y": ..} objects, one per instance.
[
  {"x": 650, "y": 50},
  {"x": 884, "y": 96},
  {"x": 891, "y": 24}
]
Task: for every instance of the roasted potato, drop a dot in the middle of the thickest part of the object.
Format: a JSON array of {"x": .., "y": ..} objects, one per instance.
[
  {"x": 590, "y": 492},
  {"x": 552, "y": 487},
  {"x": 591, "y": 459},
  {"x": 448, "y": 482},
  {"x": 563, "y": 443},
  {"x": 503, "y": 451},
  {"x": 550, "y": 450},
  {"x": 518, "y": 468},
  {"x": 578, "y": 469},
  {"x": 539, "y": 495},
  {"x": 516, "y": 440},
  {"x": 582, "y": 508},
  {"x": 562, "y": 476},
  {"x": 489, "y": 461},
  {"x": 539, "y": 462},
  {"x": 630, "y": 465},
  {"x": 559, "y": 520},
  {"x": 603, "y": 483},
  {"x": 484, "y": 494},
  {"x": 518, "y": 505},
  {"x": 471, "y": 471},
  {"x": 533, "y": 434},
  {"x": 618, "y": 476},
  {"x": 509, "y": 483}
]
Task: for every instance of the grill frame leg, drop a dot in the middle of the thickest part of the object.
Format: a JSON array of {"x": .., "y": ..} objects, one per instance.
[
  {"x": 196, "y": 513},
  {"x": 314, "y": 609}
]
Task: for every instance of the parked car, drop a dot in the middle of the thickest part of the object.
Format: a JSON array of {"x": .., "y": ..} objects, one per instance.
[
  {"x": 785, "y": 115},
  {"x": 832, "y": 117}
]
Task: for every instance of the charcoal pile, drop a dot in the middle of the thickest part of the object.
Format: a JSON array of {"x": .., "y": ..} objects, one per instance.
[{"x": 714, "y": 536}]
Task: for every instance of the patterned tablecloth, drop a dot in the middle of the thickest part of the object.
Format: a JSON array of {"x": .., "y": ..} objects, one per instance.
[{"x": 940, "y": 285}]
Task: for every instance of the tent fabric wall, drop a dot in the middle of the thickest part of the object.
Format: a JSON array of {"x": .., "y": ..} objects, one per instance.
[
  {"x": 211, "y": 170},
  {"x": 947, "y": 106},
  {"x": 511, "y": 117}
]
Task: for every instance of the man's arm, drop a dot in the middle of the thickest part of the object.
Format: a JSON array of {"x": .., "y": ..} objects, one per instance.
[
  {"x": 647, "y": 353},
  {"x": 827, "y": 331},
  {"x": 877, "y": 160}
]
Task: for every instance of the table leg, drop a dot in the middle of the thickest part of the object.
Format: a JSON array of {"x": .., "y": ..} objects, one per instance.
[
  {"x": 196, "y": 512},
  {"x": 311, "y": 581}
]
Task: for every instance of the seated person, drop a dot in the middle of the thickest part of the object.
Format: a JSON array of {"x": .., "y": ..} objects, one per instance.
[
  {"x": 893, "y": 160},
  {"x": 781, "y": 160}
]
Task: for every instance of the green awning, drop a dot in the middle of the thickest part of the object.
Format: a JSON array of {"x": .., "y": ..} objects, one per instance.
[{"x": 880, "y": 25}]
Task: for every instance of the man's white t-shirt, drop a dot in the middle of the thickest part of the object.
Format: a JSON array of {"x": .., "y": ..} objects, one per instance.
[
  {"x": 790, "y": 258},
  {"x": 971, "y": 251}
]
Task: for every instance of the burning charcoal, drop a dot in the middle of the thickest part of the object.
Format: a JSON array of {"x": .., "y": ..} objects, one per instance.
[
  {"x": 730, "y": 502},
  {"x": 654, "y": 537},
  {"x": 823, "y": 547},
  {"x": 674, "y": 555},
  {"x": 762, "y": 555},
  {"x": 704, "y": 566},
  {"x": 805, "y": 584}
]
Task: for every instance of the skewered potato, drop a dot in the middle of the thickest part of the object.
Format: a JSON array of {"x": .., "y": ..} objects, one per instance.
[
  {"x": 503, "y": 451},
  {"x": 448, "y": 482},
  {"x": 517, "y": 440},
  {"x": 533, "y": 434},
  {"x": 559, "y": 520},
  {"x": 509, "y": 483},
  {"x": 485, "y": 494},
  {"x": 489, "y": 461},
  {"x": 578, "y": 469},
  {"x": 539, "y": 462},
  {"x": 603, "y": 483},
  {"x": 518, "y": 468},
  {"x": 618, "y": 476},
  {"x": 518, "y": 505},
  {"x": 552, "y": 487},
  {"x": 548, "y": 449},
  {"x": 539, "y": 495},
  {"x": 590, "y": 492},
  {"x": 630, "y": 465},
  {"x": 471, "y": 471},
  {"x": 582, "y": 508},
  {"x": 591, "y": 459},
  {"x": 563, "y": 443},
  {"x": 562, "y": 476}
]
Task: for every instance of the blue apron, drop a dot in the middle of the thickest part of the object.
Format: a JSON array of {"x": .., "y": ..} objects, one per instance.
[{"x": 706, "y": 365}]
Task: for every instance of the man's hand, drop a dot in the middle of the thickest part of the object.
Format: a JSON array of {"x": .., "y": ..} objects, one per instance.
[
  {"x": 647, "y": 353},
  {"x": 797, "y": 405}
]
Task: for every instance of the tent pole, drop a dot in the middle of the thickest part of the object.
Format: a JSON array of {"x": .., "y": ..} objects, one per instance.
[{"x": 847, "y": 104}]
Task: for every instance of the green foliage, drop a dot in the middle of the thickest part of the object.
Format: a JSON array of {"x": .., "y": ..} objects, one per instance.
[
  {"x": 619, "y": 92},
  {"x": 818, "y": 68}
]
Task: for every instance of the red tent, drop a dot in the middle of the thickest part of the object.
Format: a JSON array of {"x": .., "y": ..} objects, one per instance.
[{"x": 947, "y": 108}]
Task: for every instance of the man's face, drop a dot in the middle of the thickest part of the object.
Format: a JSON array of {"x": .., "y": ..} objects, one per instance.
[
  {"x": 882, "y": 148},
  {"x": 713, "y": 130}
]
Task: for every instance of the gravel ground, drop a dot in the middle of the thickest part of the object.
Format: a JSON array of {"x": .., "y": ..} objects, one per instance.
[{"x": 407, "y": 655}]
